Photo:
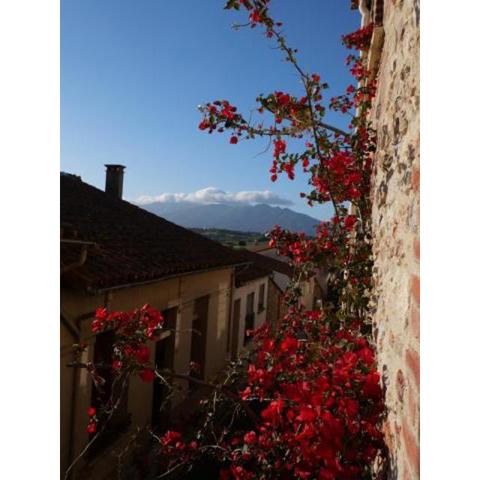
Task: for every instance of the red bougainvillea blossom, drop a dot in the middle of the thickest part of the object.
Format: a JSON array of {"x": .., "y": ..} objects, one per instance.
[{"x": 309, "y": 394}]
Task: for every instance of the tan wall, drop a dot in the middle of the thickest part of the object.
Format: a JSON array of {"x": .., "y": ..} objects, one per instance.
[
  {"x": 66, "y": 393},
  {"x": 396, "y": 231},
  {"x": 179, "y": 292},
  {"x": 242, "y": 293},
  {"x": 273, "y": 304},
  {"x": 308, "y": 294}
]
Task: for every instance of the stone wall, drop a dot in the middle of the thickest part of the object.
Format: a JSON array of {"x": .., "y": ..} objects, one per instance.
[{"x": 396, "y": 215}]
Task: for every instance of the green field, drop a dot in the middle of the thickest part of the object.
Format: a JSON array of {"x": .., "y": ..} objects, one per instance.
[{"x": 230, "y": 238}]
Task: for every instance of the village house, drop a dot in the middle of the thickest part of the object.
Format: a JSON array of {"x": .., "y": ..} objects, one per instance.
[
  {"x": 119, "y": 256},
  {"x": 313, "y": 292},
  {"x": 249, "y": 306}
]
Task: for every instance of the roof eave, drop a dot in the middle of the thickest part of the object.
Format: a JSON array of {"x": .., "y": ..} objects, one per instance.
[{"x": 99, "y": 291}]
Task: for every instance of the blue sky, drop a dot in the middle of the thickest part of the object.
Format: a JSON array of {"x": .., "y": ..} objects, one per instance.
[{"x": 134, "y": 71}]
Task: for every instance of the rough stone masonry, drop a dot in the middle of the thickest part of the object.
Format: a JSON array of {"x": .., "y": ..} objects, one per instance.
[{"x": 396, "y": 221}]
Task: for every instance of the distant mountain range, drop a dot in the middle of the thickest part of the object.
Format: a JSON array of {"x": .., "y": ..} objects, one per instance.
[{"x": 246, "y": 218}]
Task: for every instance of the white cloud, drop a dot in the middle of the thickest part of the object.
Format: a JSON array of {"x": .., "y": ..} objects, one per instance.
[{"x": 211, "y": 195}]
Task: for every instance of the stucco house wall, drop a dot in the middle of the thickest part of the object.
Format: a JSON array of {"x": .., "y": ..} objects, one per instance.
[
  {"x": 241, "y": 293},
  {"x": 178, "y": 292}
]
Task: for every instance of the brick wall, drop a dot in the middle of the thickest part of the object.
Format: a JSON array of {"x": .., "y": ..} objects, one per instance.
[{"x": 396, "y": 244}]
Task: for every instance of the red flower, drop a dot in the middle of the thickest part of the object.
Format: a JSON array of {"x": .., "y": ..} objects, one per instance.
[
  {"x": 283, "y": 98},
  {"x": 147, "y": 375},
  {"x": 280, "y": 147},
  {"x": 117, "y": 364},
  {"x": 306, "y": 415},
  {"x": 255, "y": 17},
  {"x": 233, "y": 140},
  {"x": 170, "y": 437},
  {"x": 92, "y": 427},
  {"x": 98, "y": 325},
  {"x": 143, "y": 354},
  {"x": 289, "y": 345},
  {"x": 371, "y": 388},
  {"x": 92, "y": 411},
  {"x": 246, "y": 393},
  {"x": 101, "y": 313},
  {"x": 204, "y": 124},
  {"x": 350, "y": 221},
  {"x": 250, "y": 438},
  {"x": 273, "y": 412}
]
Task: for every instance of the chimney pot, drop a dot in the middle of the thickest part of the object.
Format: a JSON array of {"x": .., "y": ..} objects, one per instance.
[{"x": 114, "y": 180}]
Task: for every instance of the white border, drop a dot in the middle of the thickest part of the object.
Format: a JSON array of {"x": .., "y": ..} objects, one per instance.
[
  {"x": 450, "y": 240},
  {"x": 30, "y": 152}
]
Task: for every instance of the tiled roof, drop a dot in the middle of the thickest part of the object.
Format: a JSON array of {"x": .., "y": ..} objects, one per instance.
[
  {"x": 270, "y": 259},
  {"x": 247, "y": 273},
  {"x": 132, "y": 245},
  {"x": 267, "y": 263}
]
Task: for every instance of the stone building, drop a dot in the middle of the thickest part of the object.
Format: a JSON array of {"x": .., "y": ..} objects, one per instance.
[
  {"x": 394, "y": 59},
  {"x": 281, "y": 272}
]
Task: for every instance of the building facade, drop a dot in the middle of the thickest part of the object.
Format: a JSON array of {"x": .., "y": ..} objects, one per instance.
[
  {"x": 249, "y": 306},
  {"x": 118, "y": 256}
]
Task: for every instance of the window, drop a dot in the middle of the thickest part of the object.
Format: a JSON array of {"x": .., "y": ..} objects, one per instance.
[
  {"x": 108, "y": 393},
  {"x": 198, "y": 346},
  {"x": 234, "y": 330},
  {"x": 164, "y": 359},
  {"x": 249, "y": 317},
  {"x": 261, "y": 298}
]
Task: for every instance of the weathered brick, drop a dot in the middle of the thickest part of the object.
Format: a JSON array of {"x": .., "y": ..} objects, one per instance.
[
  {"x": 412, "y": 360},
  {"x": 412, "y": 408},
  {"x": 416, "y": 179},
  {"x": 406, "y": 473},
  {"x": 415, "y": 288},
  {"x": 412, "y": 448},
  {"x": 415, "y": 322},
  {"x": 416, "y": 248}
]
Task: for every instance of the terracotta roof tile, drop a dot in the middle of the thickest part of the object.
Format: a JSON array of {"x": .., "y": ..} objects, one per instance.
[{"x": 261, "y": 266}]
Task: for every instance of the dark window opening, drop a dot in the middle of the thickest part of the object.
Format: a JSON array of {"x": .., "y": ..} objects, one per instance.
[
  {"x": 235, "y": 330},
  {"x": 249, "y": 318},
  {"x": 164, "y": 358},
  {"x": 109, "y": 393},
  {"x": 261, "y": 298},
  {"x": 198, "y": 344}
]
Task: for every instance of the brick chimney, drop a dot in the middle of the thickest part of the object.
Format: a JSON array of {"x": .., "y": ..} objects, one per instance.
[{"x": 114, "y": 180}]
